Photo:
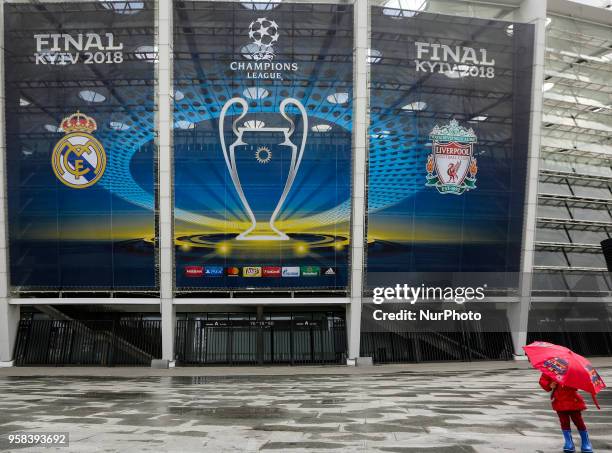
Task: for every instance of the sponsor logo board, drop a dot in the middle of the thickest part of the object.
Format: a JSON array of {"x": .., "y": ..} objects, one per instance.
[
  {"x": 310, "y": 271},
  {"x": 291, "y": 271},
  {"x": 251, "y": 271},
  {"x": 232, "y": 271},
  {"x": 330, "y": 271},
  {"x": 213, "y": 271},
  {"x": 271, "y": 271},
  {"x": 194, "y": 271}
]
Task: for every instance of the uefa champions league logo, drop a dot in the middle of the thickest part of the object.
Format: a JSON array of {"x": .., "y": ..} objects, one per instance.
[
  {"x": 264, "y": 33},
  {"x": 256, "y": 150}
]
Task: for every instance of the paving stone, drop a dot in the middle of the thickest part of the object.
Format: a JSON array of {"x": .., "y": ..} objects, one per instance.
[{"x": 447, "y": 411}]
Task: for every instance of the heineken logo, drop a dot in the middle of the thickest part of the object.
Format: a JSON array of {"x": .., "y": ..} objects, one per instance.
[{"x": 451, "y": 166}]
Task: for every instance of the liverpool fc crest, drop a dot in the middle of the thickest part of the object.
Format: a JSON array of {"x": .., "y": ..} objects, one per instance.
[
  {"x": 78, "y": 159},
  {"x": 451, "y": 166}
]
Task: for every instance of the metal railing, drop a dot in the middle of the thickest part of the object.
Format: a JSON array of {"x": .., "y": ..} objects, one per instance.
[
  {"x": 585, "y": 343},
  {"x": 102, "y": 343},
  {"x": 470, "y": 342},
  {"x": 240, "y": 342},
  {"x": 414, "y": 347}
]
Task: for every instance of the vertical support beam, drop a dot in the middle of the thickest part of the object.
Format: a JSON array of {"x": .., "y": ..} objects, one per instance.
[
  {"x": 530, "y": 11},
  {"x": 260, "y": 346},
  {"x": 165, "y": 95},
  {"x": 9, "y": 321},
  {"x": 360, "y": 150},
  {"x": 9, "y": 314}
]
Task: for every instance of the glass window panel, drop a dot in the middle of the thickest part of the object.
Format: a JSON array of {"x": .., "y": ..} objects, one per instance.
[
  {"x": 549, "y": 281},
  {"x": 587, "y": 237},
  {"x": 465, "y": 9},
  {"x": 557, "y": 165},
  {"x": 548, "y": 258},
  {"x": 554, "y": 188},
  {"x": 553, "y": 212},
  {"x": 594, "y": 215},
  {"x": 576, "y": 90},
  {"x": 591, "y": 281},
  {"x": 586, "y": 259},
  {"x": 592, "y": 169},
  {"x": 591, "y": 192},
  {"x": 551, "y": 235}
]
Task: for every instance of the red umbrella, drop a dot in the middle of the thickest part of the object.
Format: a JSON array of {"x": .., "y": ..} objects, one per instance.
[{"x": 565, "y": 367}]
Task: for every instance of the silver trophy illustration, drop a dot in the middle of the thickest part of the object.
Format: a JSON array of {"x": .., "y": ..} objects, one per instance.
[{"x": 262, "y": 162}]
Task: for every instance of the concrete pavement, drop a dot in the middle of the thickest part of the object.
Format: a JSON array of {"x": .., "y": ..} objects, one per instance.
[{"x": 447, "y": 408}]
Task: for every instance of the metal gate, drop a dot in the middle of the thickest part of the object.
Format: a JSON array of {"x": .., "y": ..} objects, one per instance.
[
  {"x": 470, "y": 341},
  {"x": 587, "y": 337},
  {"x": 414, "y": 347},
  {"x": 251, "y": 342},
  {"x": 75, "y": 342},
  {"x": 585, "y": 343}
]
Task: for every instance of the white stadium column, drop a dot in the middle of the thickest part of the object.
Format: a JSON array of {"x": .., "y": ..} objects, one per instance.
[
  {"x": 534, "y": 12},
  {"x": 165, "y": 95},
  {"x": 360, "y": 150},
  {"x": 9, "y": 314}
]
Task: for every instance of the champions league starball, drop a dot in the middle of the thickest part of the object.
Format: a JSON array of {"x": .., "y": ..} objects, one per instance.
[{"x": 264, "y": 33}]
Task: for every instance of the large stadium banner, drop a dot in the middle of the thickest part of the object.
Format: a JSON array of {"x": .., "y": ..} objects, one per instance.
[
  {"x": 449, "y": 128},
  {"x": 80, "y": 151},
  {"x": 262, "y": 144}
]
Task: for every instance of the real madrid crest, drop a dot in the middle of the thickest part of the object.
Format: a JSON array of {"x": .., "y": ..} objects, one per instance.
[
  {"x": 78, "y": 159},
  {"x": 451, "y": 166}
]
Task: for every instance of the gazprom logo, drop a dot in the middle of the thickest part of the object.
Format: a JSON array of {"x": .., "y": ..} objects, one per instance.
[{"x": 291, "y": 271}]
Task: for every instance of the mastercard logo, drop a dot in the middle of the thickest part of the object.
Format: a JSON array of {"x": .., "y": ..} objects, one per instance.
[{"x": 232, "y": 272}]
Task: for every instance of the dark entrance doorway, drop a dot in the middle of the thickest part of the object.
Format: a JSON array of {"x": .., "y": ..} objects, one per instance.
[{"x": 249, "y": 339}]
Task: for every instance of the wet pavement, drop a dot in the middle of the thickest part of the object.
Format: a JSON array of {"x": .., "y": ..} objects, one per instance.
[{"x": 425, "y": 410}]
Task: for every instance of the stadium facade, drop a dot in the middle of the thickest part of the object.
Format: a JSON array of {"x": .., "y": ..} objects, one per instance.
[{"x": 234, "y": 181}]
